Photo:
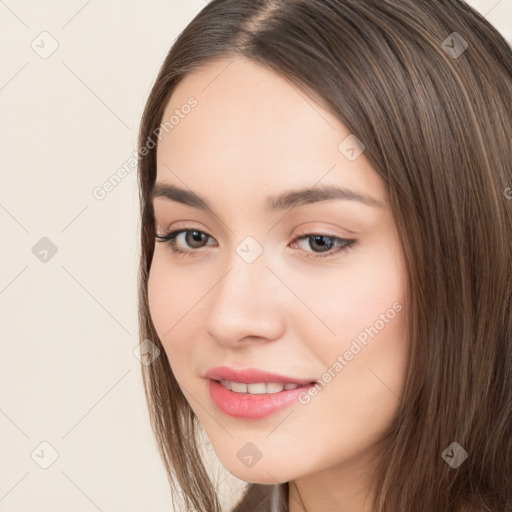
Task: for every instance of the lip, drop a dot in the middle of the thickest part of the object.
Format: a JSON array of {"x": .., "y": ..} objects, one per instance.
[
  {"x": 252, "y": 375},
  {"x": 247, "y": 406}
]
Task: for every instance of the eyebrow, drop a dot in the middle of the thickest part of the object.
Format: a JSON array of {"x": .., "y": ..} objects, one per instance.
[{"x": 287, "y": 200}]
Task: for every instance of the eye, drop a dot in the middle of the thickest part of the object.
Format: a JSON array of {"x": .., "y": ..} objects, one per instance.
[
  {"x": 193, "y": 238},
  {"x": 327, "y": 245}
]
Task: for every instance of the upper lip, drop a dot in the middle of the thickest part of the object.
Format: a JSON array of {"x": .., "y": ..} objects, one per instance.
[{"x": 251, "y": 375}]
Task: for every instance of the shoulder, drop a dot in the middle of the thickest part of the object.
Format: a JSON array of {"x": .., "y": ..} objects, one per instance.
[{"x": 263, "y": 498}]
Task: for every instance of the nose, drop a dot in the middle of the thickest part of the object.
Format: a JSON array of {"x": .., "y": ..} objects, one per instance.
[{"x": 246, "y": 305}]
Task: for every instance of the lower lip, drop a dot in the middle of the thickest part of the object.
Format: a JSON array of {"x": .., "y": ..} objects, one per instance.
[{"x": 245, "y": 405}]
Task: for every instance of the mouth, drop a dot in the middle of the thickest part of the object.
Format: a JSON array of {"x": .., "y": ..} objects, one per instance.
[
  {"x": 252, "y": 393},
  {"x": 255, "y": 400},
  {"x": 259, "y": 388}
]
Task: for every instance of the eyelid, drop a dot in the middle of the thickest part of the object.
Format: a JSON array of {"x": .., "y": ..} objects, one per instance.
[{"x": 346, "y": 244}]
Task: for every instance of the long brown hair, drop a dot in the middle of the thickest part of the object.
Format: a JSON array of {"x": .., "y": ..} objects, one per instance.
[{"x": 427, "y": 86}]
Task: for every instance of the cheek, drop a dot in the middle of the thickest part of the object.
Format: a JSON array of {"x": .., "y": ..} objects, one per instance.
[
  {"x": 362, "y": 300},
  {"x": 365, "y": 357},
  {"x": 160, "y": 298},
  {"x": 171, "y": 294},
  {"x": 168, "y": 300}
]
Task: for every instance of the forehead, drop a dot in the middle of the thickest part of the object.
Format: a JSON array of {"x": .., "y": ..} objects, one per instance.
[{"x": 251, "y": 126}]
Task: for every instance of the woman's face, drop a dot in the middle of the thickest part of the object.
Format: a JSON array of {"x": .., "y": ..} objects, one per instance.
[{"x": 272, "y": 285}]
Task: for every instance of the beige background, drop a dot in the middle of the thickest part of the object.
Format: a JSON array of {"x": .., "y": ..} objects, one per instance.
[{"x": 68, "y": 373}]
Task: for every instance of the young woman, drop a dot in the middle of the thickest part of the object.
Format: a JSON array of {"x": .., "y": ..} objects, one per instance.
[{"x": 326, "y": 199}]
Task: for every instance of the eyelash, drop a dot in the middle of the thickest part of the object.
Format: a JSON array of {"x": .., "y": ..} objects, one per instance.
[{"x": 170, "y": 239}]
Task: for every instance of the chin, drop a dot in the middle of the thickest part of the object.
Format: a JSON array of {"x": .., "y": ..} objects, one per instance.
[{"x": 262, "y": 472}]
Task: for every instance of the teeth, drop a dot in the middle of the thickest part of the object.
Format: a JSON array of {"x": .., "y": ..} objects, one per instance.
[
  {"x": 226, "y": 383},
  {"x": 239, "y": 387},
  {"x": 257, "y": 388}
]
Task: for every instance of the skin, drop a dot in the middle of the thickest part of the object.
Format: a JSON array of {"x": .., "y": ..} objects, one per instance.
[{"x": 254, "y": 134}]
